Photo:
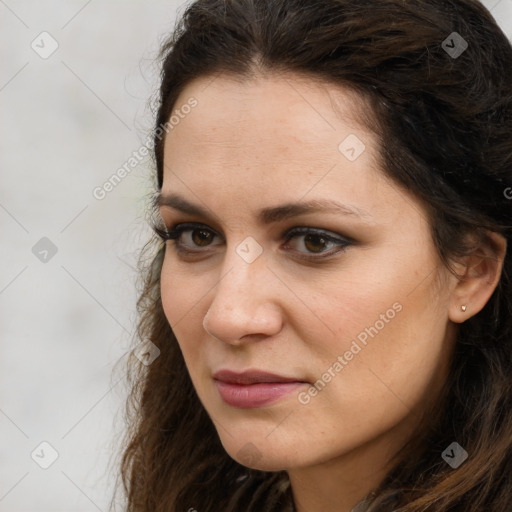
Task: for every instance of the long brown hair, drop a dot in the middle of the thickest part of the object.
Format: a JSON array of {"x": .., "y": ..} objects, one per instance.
[{"x": 444, "y": 122}]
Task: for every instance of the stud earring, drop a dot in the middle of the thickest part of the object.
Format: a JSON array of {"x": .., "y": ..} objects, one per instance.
[{"x": 463, "y": 307}]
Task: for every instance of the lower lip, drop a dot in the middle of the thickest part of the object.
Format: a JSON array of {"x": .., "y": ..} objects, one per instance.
[{"x": 251, "y": 396}]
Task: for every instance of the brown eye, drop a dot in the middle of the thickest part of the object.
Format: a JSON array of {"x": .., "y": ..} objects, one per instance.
[
  {"x": 202, "y": 237},
  {"x": 315, "y": 243},
  {"x": 188, "y": 237},
  {"x": 312, "y": 244}
]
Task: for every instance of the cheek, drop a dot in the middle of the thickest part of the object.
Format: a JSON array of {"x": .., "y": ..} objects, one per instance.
[
  {"x": 171, "y": 291},
  {"x": 383, "y": 333},
  {"x": 179, "y": 291},
  {"x": 181, "y": 301},
  {"x": 388, "y": 368}
]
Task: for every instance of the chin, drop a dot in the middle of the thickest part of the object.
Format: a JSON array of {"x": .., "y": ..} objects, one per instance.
[{"x": 261, "y": 455}]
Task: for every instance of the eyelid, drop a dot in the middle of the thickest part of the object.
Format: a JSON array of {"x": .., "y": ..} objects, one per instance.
[
  {"x": 327, "y": 233},
  {"x": 342, "y": 242},
  {"x": 190, "y": 226}
]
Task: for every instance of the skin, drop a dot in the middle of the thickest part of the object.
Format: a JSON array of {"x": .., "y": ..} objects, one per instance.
[{"x": 273, "y": 140}]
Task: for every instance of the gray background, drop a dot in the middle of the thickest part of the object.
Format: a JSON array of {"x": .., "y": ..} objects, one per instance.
[{"x": 68, "y": 122}]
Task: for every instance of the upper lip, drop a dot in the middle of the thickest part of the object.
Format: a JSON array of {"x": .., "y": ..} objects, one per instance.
[{"x": 251, "y": 377}]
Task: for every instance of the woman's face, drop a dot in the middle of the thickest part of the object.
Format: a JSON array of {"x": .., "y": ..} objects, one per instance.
[{"x": 306, "y": 263}]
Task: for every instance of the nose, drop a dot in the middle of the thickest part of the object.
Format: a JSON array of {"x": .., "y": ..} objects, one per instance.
[{"x": 245, "y": 304}]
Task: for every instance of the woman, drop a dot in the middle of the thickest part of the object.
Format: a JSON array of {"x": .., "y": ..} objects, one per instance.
[{"x": 330, "y": 309}]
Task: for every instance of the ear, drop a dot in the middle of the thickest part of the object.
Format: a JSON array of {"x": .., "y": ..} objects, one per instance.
[{"x": 479, "y": 277}]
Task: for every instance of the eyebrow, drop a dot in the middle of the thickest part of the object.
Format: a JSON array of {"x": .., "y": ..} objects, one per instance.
[{"x": 271, "y": 214}]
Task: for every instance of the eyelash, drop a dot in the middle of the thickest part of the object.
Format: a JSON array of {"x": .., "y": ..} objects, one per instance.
[{"x": 173, "y": 234}]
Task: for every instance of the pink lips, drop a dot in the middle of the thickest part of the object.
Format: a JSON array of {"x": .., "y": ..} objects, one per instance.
[{"x": 253, "y": 388}]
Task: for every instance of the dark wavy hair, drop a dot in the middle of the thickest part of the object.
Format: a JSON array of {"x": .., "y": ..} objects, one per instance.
[{"x": 444, "y": 125}]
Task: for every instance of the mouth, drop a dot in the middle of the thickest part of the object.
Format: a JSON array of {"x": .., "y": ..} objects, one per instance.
[{"x": 253, "y": 388}]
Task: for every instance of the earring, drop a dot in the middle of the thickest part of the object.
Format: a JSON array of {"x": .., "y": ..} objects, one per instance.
[{"x": 463, "y": 307}]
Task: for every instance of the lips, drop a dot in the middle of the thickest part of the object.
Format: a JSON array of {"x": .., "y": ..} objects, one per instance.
[
  {"x": 251, "y": 377},
  {"x": 253, "y": 388}
]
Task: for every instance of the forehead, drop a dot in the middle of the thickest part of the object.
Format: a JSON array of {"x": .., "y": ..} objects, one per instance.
[
  {"x": 270, "y": 140},
  {"x": 282, "y": 116},
  {"x": 295, "y": 107}
]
